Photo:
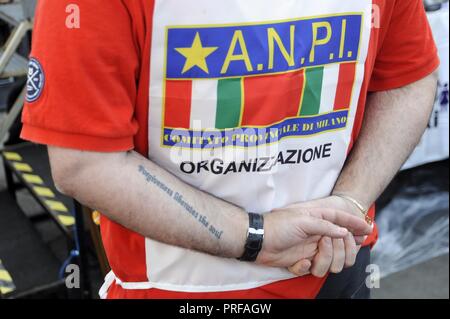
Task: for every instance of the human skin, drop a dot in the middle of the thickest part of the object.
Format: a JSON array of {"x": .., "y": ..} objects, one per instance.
[
  {"x": 133, "y": 191},
  {"x": 117, "y": 184},
  {"x": 393, "y": 124}
]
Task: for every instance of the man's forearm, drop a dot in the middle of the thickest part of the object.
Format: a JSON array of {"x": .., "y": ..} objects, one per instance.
[
  {"x": 138, "y": 194},
  {"x": 145, "y": 198},
  {"x": 393, "y": 125}
]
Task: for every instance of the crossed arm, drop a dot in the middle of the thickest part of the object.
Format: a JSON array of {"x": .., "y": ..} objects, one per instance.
[
  {"x": 393, "y": 125},
  {"x": 133, "y": 191},
  {"x": 145, "y": 198}
]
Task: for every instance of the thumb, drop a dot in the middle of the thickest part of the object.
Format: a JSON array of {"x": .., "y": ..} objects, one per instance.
[
  {"x": 301, "y": 268},
  {"x": 316, "y": 226}
]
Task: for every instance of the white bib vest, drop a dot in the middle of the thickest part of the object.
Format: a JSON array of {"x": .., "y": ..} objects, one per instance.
[{"x": 284, "y": 162}]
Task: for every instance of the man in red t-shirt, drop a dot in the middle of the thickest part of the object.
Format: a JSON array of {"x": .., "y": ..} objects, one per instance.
[{"x": 211, "y": 131}]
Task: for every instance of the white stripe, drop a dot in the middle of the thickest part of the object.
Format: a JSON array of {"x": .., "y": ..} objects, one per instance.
[
  {"x": 256, "y": 231},
  {"x": 329, "y": 86},
  {"x": 182, "y": 288},
  {"x": 109, "y": 280},
  {"x": 204, "y": 104}
]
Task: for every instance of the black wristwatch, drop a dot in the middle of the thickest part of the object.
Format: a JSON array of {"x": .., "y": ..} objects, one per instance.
[{"x": 255, "y": 237}]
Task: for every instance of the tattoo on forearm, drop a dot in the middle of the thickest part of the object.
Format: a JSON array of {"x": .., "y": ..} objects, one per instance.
[{"x": 178, "y": 198}]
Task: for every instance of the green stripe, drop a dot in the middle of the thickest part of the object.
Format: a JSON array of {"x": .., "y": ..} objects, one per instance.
[
  {"x": 313, "y": 91},
  {"x": 229, "y": 103}
]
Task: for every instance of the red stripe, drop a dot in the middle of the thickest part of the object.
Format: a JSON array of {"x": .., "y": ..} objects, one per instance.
[
  {"x": 269, "y": 99},
  {"x": 125, "y": 251},
  {"x": 306, "y": 287},
  {"x": 178, "y": 104},
  {"x": 347, "y": 72}
]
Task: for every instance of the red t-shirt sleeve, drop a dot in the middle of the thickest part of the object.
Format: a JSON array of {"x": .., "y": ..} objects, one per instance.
[
  {"x": 89, "y": 78},
  {"x": 407, "y": 50}
]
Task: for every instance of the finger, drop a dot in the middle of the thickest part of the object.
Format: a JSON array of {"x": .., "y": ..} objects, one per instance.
[
  {"x": 301, "y": 268},
  {"x": 354, "y": 224},
  {"x": 338, "y": 255},
  {"x": 315, "y": 226},
  {"x": 322, "y": 261},
  {"x": 360, "y": 239},
  {"x": 350, "y": 251}
]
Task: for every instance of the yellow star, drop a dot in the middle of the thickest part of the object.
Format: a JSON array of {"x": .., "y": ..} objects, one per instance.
[{"x": 196, "y": 55}]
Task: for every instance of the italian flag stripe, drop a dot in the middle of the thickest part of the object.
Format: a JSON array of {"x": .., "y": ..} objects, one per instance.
[
  {"x": 270, "y": 99},
  {"x": 229, "y": 103},
  {"x": 313, "y": 92},
  {"x": 330, "y": 74},
  {"x": 347, "y": 74},
  {"x": 204, "y": 104},
  {"x": 178, "y": 104},
  {"x": 258, "y": 101}
]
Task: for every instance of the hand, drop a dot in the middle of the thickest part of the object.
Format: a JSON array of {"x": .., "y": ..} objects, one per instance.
[
  {"x": 334, "y": 254},
  {"x": 294, "y": 233}
]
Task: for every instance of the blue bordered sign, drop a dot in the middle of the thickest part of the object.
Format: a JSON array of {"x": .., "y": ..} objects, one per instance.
[{"x": 36, "y": 80}]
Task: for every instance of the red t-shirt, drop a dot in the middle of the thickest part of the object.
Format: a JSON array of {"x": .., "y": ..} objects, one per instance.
[{"x": 89, "y": 89}]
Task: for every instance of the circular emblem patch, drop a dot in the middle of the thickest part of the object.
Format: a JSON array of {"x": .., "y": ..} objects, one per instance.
[{"x": 36, "y": 80}]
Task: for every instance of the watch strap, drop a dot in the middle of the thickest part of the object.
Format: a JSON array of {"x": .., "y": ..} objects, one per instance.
[{"x": 255, "y": 237}]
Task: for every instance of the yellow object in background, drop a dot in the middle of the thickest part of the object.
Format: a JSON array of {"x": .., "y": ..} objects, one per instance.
[
  {"x": 96, "y": 217},
  {"x": 6, "y": 281},
  {"x": 12, "y": 156}
]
